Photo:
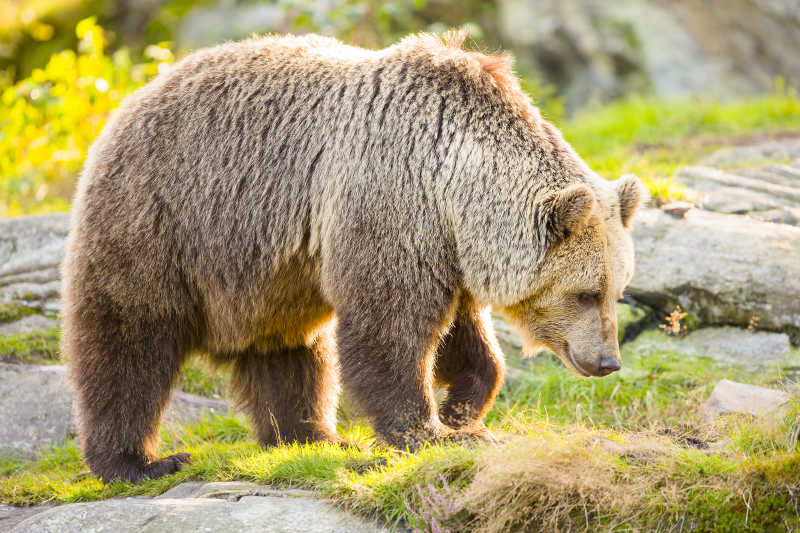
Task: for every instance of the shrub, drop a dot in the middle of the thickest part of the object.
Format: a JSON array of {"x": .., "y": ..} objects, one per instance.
[{"x": 49, "y": 120}]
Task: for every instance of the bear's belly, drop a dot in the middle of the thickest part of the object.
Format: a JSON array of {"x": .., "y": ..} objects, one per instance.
[{"x": 280, "y": 309}]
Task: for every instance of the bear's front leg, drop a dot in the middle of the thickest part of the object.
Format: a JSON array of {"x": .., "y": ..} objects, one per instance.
[
  {"x": 470, "y": 363},
  {"x": 388, "y": 372}
]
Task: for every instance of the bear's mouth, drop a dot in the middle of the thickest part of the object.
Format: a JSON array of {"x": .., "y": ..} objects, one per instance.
[{"x": 579, "y": 369}]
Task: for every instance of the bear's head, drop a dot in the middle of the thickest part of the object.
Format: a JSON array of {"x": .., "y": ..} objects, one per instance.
[{"x": 589, "y": 261}]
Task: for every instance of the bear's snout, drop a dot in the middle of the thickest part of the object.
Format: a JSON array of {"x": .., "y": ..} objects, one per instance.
[{"x": 608, "y": 365}]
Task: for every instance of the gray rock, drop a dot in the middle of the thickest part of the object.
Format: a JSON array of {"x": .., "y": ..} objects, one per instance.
[
  {"x": 788, "y": 216},
  {"x": 729, "y": 397},
  {"x": 186, "y": 408},
  {"x": 31, "y": 250},
  {"x": 723, "y": 269},
  {"x": 754, "y": 154},
  {"x": 39, "y": 401},
  {"x": 27, "y": 324},
  {"x": 11, "y": 515},
  {"x": 745, "y": 191},
  {"x": 230, "y": 490},
  {"x": 595, "y": 50},
  {"x": 217, "y": 507},
  {"x": 727, "y": 344}
]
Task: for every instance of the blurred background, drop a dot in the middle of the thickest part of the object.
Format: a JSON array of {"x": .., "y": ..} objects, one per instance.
[{"x": 639, "y": 86}]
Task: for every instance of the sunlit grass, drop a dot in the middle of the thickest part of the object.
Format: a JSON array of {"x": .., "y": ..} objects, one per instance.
[{"x": 625, "y": 451}]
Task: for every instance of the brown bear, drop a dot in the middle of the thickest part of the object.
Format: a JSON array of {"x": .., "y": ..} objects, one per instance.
[{"x": 307, "y": 211}]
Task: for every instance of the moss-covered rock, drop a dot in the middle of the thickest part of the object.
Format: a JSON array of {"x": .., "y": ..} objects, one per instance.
[
  {"x": 628, "y": 317},
  {"x": 32, "y": 347},
  {"x": 10, "y": 312}
]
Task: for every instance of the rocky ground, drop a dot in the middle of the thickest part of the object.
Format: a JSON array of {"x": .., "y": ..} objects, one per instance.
[
  {"x": 196, "y": 506},
  {"x": 730, "y": 259}
]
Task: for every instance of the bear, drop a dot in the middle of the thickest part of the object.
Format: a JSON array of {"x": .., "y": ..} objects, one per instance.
[{"x": 316, "y": 215}]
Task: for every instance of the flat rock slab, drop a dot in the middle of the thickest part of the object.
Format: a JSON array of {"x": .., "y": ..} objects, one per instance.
[
  {"x": 36, "y": 405},
  {"x": 723, "y": 269},
  {"x": 754, "y": 154},
  {"x": 728, "y": 344},
  {"x": 730, "y": 397},
  {"x": 219, "y": 508},
  {"x": 31, "y": 251},
  {"x": 761, "y": 180},
  {"x": 27, "y": 324},
  {"x": 769, "y": 193},
  {"x": 11, "y": 515}
]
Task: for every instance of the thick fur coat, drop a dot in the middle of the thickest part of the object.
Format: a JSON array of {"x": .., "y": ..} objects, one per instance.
[{"x": 310, "y": 212}]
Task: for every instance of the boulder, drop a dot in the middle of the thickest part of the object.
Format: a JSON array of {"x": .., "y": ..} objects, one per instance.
[
  {"x": 729, "y": 397},
  {"x": 11, "y": 515},
  {"x": 726, "y": 344},
  {"x": 31, "y": 251},
  {"x": 720, "y": 268},
  {"x": 218, "y": 507},
  {"x": 770, "y": 193},
  {"x": 38, "y": 399},
  {"x": 598, "y": 50}
]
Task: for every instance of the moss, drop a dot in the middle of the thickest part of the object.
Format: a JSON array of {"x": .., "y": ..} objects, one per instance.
[
  {"x": 10, "y": 312},
  {"x": 35, "y": 347},
  {"x": 630, "y": 319}
]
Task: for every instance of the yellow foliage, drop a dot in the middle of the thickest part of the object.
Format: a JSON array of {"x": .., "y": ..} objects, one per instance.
[{"x": 49, "y": 120}]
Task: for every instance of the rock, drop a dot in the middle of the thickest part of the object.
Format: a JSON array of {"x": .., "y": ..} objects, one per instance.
[
  {"x": 223, "y": 507},
  {"x": 723, "y": 269},
  {"x": 11, "y": 515},
  {"x": 754, "y": 154},
  {"x": 729, "y": 397},
  {"x": 627, "y": 316},
  {"x": 27, "y": 324},
  {"x": 769, "y": 192},
  {"x": 186, "y": 408},
  {"x": 31, "y": 251},
  {"x": 39, "y": 401},
  {"x": 727, "y": 344},
  {"x": 677, "y": 209},
  {"x": 597, "y": 50},
  {"x": 746, "y": 191},
  {"x": 229, "y": 490}
]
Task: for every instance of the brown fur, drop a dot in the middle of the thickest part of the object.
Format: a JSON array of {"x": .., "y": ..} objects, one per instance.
[{"x": 256, "y": 191}]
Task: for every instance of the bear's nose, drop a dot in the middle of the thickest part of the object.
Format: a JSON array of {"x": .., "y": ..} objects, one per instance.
[{"x": 608, "y": 365}]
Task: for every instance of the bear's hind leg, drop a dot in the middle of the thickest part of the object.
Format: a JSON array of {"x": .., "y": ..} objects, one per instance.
[
  {"x": 470, "y": 363},
  {"x": 122, "y": 371},
  {"x": 289, "y": 394}
]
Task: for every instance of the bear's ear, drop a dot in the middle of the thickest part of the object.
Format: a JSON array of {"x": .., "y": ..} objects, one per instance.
[
  {"x": 631, "y": 193},
  {"x": 562, "y": 213}
]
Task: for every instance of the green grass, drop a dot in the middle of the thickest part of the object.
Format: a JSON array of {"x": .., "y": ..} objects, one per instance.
[
  {"x": 576, "y": 454},
  {"x": 197, "y": 377},
  {"x": 10, "y": 312},
  {"x": 654, "y": 137},
  {"x": 35, "y": 347}
]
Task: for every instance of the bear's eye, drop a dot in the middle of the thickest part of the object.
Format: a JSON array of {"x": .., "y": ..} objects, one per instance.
[{"x": 588, "y": 299}]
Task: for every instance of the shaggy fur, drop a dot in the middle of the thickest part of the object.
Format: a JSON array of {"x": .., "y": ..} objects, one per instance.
[{"x": 244, "y": 199}]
